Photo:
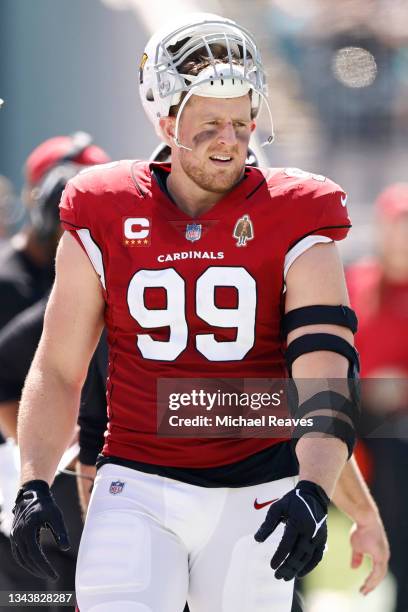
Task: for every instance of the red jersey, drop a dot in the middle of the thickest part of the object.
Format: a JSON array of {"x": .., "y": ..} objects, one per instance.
[{"x": 191, "y": 297}]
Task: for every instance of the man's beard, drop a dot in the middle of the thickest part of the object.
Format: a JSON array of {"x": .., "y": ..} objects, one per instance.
[{"x": 214, "y": 182}]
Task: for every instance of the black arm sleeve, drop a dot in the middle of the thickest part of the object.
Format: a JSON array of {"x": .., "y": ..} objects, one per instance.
[
  {"x": 18, "y": 343},
  {"x": 92, "y": 418},
  {"x": 13, "y": 301}
]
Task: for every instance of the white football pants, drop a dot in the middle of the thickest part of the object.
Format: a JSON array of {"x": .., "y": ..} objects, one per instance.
[{"x": 151, "y": 543}]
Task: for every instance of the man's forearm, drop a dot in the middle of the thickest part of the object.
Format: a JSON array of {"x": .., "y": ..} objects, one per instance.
[
  {"x": 47, "y": 418},
  {"x": 321, "y": 460},
  {"x": 352, "y": 495}
]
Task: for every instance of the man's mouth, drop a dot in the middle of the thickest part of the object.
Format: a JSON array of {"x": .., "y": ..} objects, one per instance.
[{"x": 221, "y": 159}]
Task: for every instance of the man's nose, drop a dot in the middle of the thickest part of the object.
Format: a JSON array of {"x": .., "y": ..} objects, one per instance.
[{"x": 227, "y": 134}]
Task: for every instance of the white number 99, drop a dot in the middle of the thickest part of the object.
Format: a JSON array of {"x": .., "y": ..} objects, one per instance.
[{"x": 242, "y": 317}]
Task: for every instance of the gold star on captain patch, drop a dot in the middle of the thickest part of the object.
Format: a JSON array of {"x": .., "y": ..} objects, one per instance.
[
  {"x": 139, "y": 241},
  {"x": 145, "y": 241},
  {"x": 126, "y": 241},
  {"x": 133, "y": 242}
]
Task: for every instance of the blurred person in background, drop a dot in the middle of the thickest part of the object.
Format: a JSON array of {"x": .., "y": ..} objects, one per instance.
[
  {"x": 26, "y": 275},
  {"x": 378, "y": 289},
  {"x": 27, "y": 259}
]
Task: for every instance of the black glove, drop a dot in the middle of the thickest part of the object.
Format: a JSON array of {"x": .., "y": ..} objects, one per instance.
[
  {"x": 35, "y": 509},
  {"x": 304, "y": 510}
]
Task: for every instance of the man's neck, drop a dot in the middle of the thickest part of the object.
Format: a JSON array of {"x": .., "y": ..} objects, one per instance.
[{"x": 188, "y": 197}]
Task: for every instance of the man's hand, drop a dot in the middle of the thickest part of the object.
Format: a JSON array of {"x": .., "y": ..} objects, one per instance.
[
  {"x": 304, "y": 510},
  {"x": 370, "y": 539},
  {"x": 35, "y": 509}
]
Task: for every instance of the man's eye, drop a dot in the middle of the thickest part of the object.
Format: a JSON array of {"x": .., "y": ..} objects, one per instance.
[{"x": 212, "y": 122}]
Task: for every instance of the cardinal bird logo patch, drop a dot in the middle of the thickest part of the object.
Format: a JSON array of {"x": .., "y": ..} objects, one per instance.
[
  {"x": 116, "y": 487},
  {"x": 243, "y": 231}
]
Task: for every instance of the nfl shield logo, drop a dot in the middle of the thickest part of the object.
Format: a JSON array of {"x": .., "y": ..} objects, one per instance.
[
  {"x": 193, "y": 232},
  {"x": 116, "y": 487}
]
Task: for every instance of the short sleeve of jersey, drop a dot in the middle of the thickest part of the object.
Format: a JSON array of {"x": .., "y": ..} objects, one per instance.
[
  {"x": 78, "y": 204},
  {"x": 86, "y": 202},
  {"x": 83, "y": 213},
  {"x": 68, "y": 212},
  {"x": 318, "y": 214},
  {"x": 319, "y": 207}
]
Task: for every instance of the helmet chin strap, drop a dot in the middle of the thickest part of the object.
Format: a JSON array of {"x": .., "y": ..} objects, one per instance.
[
  {"x": 271, "y": 136},
  {"x": 177, "y": 142}
]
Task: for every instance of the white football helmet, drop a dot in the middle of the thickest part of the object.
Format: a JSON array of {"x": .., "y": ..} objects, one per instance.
[{"x": 161, "y": 82}]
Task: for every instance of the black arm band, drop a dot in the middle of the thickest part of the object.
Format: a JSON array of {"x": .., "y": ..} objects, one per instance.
[
  {"x": 308, "y": 343},
  {"x": 328, "y": 425},
  {"x": 329, "y": 400},
  {"x": 315, "y": 315}
]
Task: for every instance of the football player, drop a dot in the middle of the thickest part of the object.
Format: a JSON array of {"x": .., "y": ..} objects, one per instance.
[{"x": 172, "y": 519}]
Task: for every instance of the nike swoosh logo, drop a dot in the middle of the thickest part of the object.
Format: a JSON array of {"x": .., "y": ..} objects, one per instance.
[
  {"x": 343, "y": 200},
  {"x": 258, "y": 506}
]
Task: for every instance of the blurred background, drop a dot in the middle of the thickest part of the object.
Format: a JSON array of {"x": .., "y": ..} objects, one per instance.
[{"x": 338, "y": 85}]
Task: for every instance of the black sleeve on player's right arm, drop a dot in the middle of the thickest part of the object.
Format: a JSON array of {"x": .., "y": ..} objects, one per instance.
[
  {"x": 12, "y": 301},
  {"x": 92, "y": 412},
  {"x": 18, "y": 343}
]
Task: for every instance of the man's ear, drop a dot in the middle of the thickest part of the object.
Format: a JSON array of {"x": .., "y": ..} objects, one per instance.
[{"x": 167, "y": 129}]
